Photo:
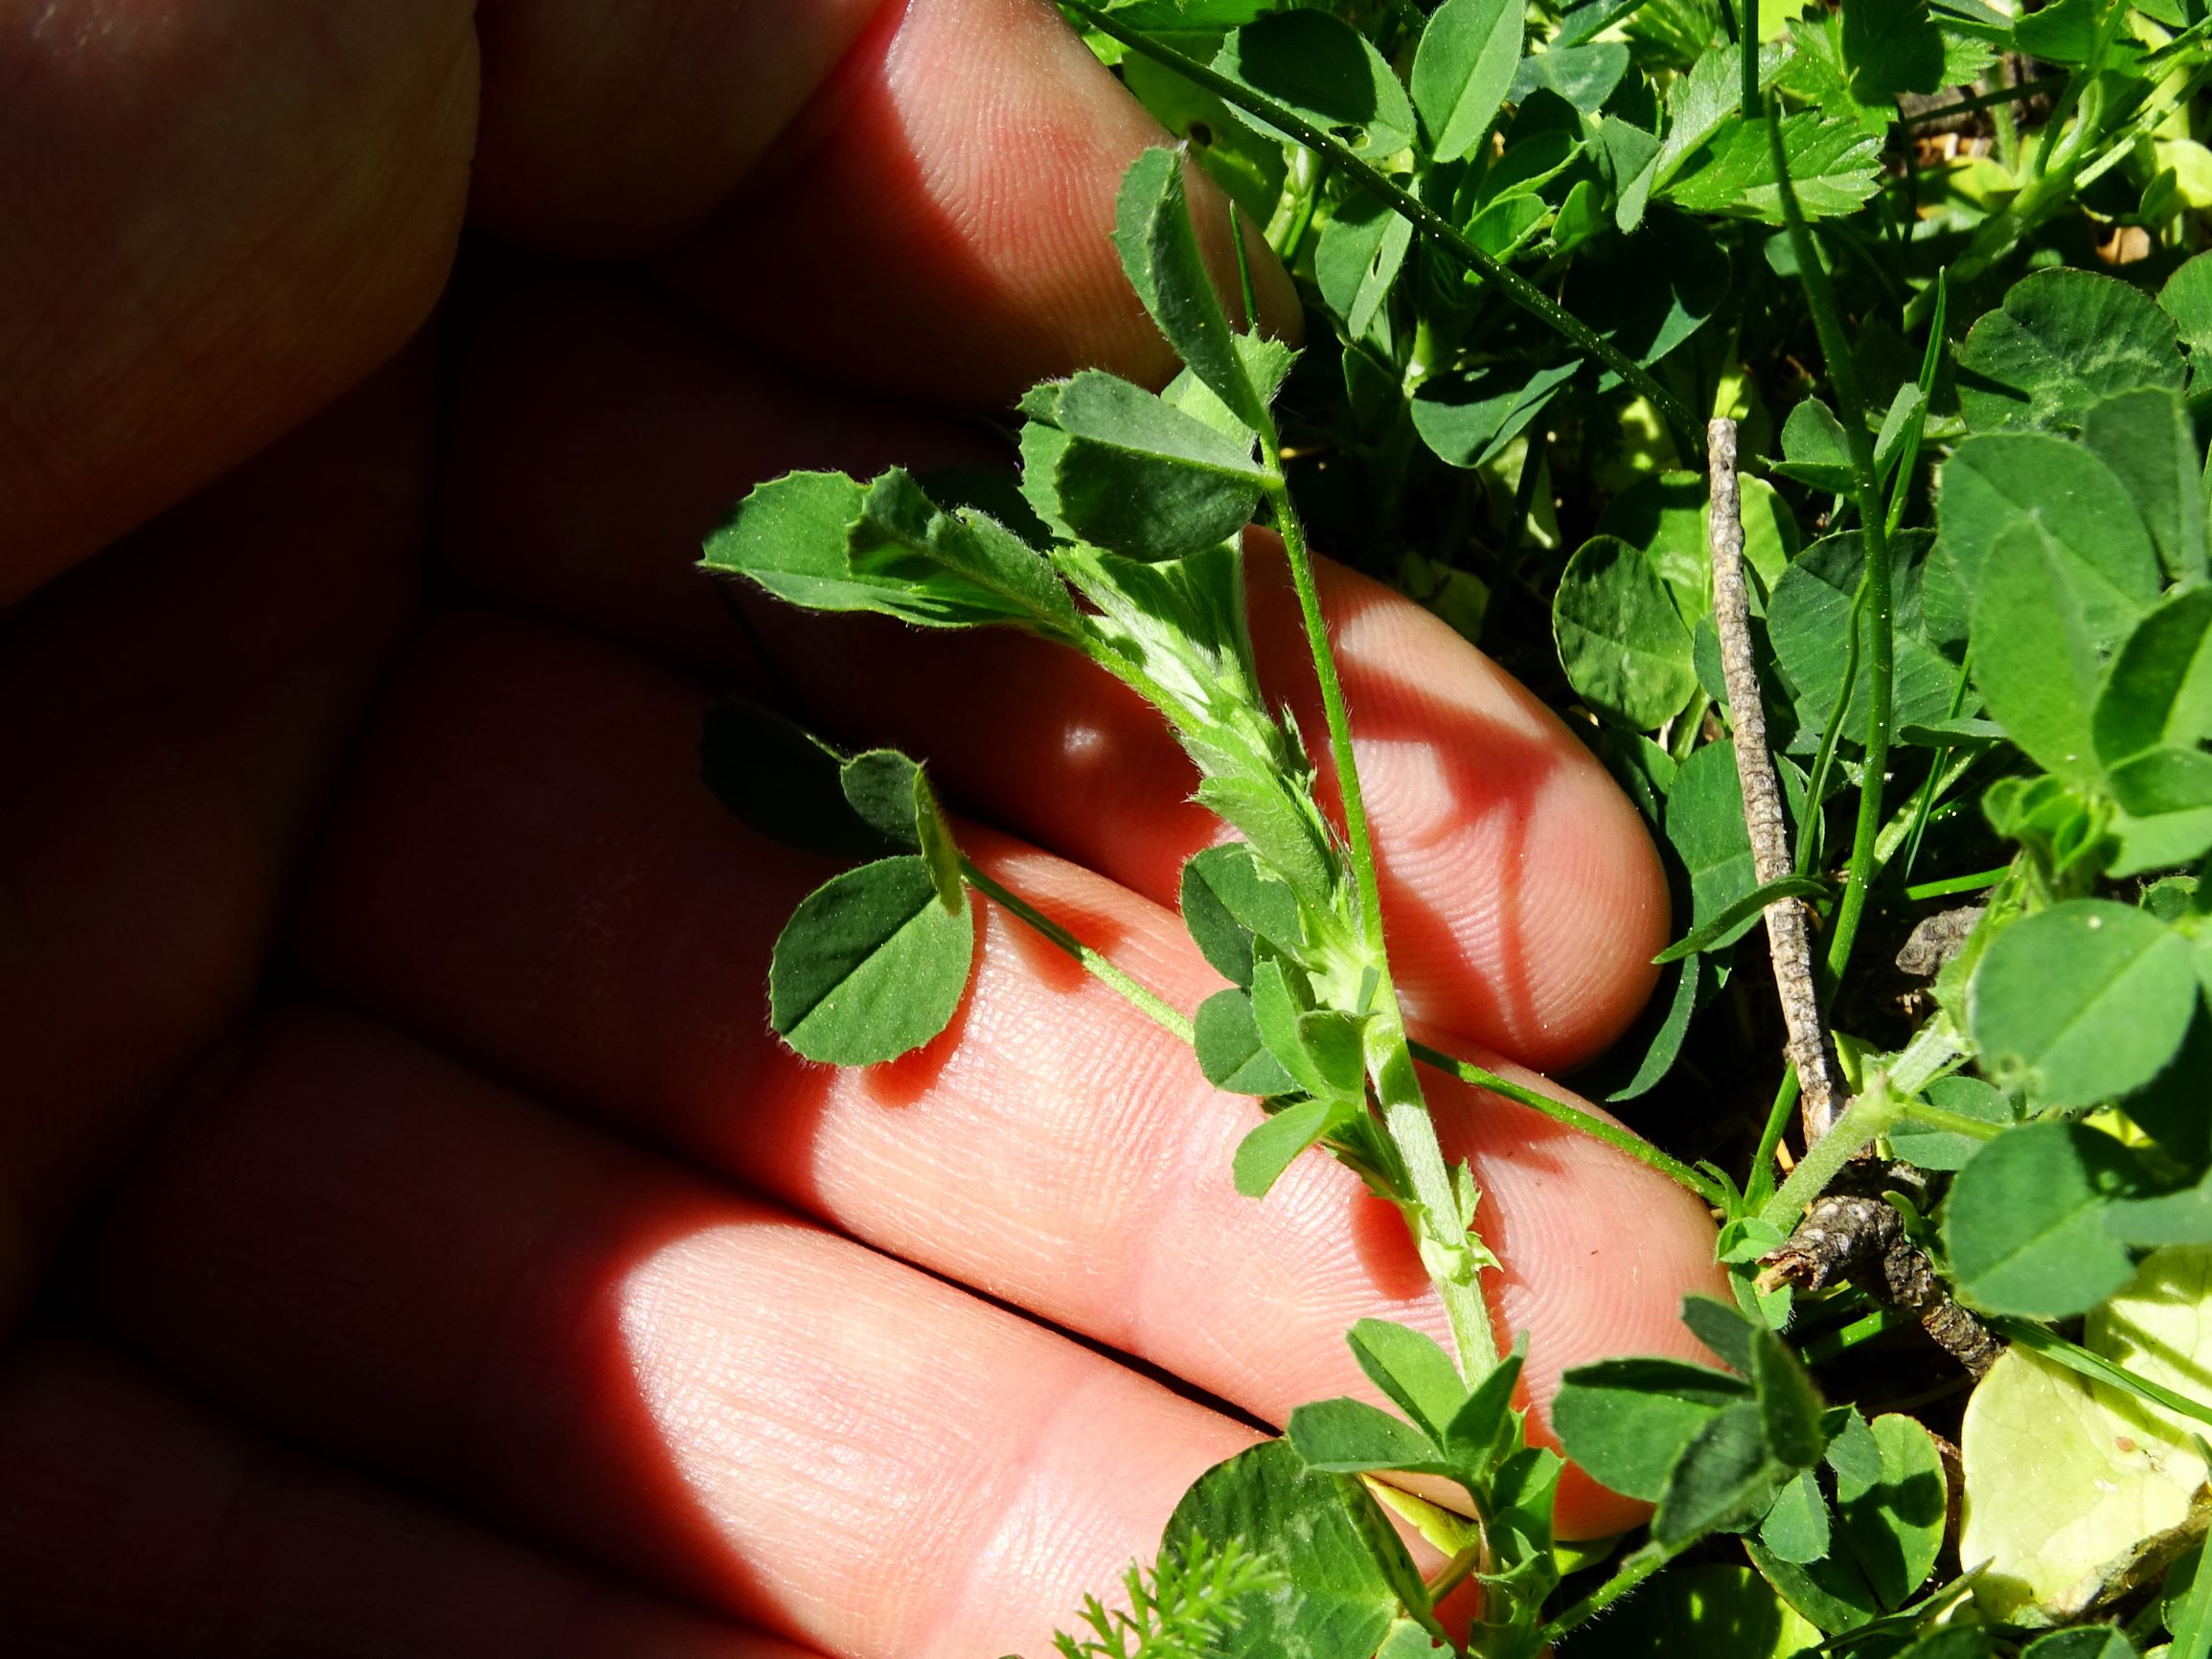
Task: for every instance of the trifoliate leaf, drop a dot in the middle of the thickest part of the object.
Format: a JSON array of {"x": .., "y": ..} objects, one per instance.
[
  {"x": 1325, "y": 71},
  {"x": 1410, "y": 1366},
  {"x": 1227, "y": 899},
  {"x": 1725, "y": 1476},
  {"x": 1351, "y": 1437},
  {"x": 1621, "y": 640},
  {"x": 964, "y": 559},
  {"x": 2062, "y": 341},
  {"x": 1991, "y": 483},
  {"x": 869, "y": 966},
  {"x": 1813, "y": 448},
  {"x": 2035, "y": 659},
  {"x": 1159, "y": 254},
  {"x": 1143, "y": 479},
  {"x": 1462, "y": 69},
  {"x": 1265, "y": 1152},
  {"x": 2024, "y": 1224},
  {"x": 1834, "y": 166},
  {"x": 2148, "y": 441},
  {"x": 2082, "y": 1003},
  {"x": 1347, "y": 1578},
  {"x": 1892, "y": 1523},
  {"x": 1626, "y": 1422},
  {"x": 1229, "y": 1049}
]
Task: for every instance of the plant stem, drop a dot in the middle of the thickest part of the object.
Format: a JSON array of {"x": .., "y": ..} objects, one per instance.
[
  {"x": 1974, "y": 883},
  {"x": 1633, "y": 1571},
  {"x": 1759, "y": 1185},
  {"x": 2095, "y": 1366},
  {"x": 1145, "y": 1000},
  {"x": 1870, "y": 1115},
  {"x": 1866, "y": 493},
  {"x": 1981, "y": 101},
  {"x": 1809, "y": 826},
  {"x": 1440, "y": 231},
  {"x": 1560, "y": 1112},
  {"x": 1439, "y": 1229}
]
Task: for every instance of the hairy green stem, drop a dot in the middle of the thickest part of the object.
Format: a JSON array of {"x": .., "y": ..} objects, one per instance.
[
  {"x": 1872, "y": 1114},
  {"x": 1809, "y": 826},
  {"x": 1866, "y": 493},
  {"x": 1759, "y": 1185},
  {"x": 1633, "y": 1571},
  {"x": 1981, "y": 101},
  {"x": 1099, "y": 967},
  {"x": 1438, "y": 230},
  {"x": 1560, "y": 1112}
]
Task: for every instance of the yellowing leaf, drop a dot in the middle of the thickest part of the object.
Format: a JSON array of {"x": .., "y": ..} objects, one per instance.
[{"x": 2076, "y": 1492}]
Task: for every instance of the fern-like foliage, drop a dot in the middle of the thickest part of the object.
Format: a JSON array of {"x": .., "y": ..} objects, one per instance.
[{"x": 1177, "y": 1609}]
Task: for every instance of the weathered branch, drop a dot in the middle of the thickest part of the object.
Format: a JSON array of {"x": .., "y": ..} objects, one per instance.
[{"x": 1787, "y": 936}]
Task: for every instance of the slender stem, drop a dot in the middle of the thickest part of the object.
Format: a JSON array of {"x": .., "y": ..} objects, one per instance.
[
  {"x": 1441, "y": 231},
  {"x": 1974, "y": 883},
  {"x": 1145, "y": 1000},
  {"x": 1816, "y": 780},
  {"x": 1981, "y": 101},
  {"x": 1560, "y": 1112},
  {"x": 2095, "y": 1366},
  {"x": 1633, "y": 1571},
  {"x": 1872, "y": 1114},
  {"x": 1866, "y": 491},
  {"x": 1759, "y": 1186},
  {"x": 1929, "y": 1117}
]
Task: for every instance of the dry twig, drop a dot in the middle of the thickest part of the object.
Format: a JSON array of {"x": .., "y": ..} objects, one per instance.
[{"x": 1787, "y": 936}]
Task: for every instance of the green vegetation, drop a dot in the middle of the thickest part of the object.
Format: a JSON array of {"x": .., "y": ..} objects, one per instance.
[{"x": 1540, "y": 249}]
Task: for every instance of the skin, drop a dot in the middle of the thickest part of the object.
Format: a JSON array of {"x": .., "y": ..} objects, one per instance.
[{"x": 410, "y": 1236}]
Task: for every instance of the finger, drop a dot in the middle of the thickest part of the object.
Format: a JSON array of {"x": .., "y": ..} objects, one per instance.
[
  {"x": 1524, "y": 898},
  {"x": 131, "y": 1523},
  {"x": 172, "y": 709},
  {"x": 219, "y": 216},
  {"x": 936, "y": 178},
  {"x": 387, "y": 1257},
  {"x": 529, "y": 872}
]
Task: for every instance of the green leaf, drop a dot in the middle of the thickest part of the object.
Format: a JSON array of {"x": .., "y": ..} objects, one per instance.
[
  {"x": 1350, "y": 1437},
  {"x": 1809, "y": 625},
  {"x": 1262, "y": 1155},
  {"x": 1620, "y": 639},
  {"x": 2034, "y": 661},
  {"x": 1954, "y": 1642},
  {"x": 1831, "y": 1593},
  {"x": 1893, "y": 1522},
  {"x": 1361, "y": 250},
  {"x": 1668, "y": 1017},
  {"x": 1473, "y": 1434},
  {"x": 1725, "y": 1476},
  {"x": 1347, "y": 1578},
  {"x": 2156, "y": 703},
  {"x": 1796, "y": 1528},
  {"x": 955, "y": 560},
  {"x": 1834, "y": 165},
  {"x": 1470, "y": 417},
  {"x": 2024, "y": 1224},
  {"x": 1227, "y": 899},
  {"x": 1723, "y": 1328},
  {"x": 1667, "y": 517},
  {"x": 1286, "y": 841},
  {"x": 1813, "y": 448},
  {"x": 781, "y": 779},
  {"x": 1989, "y": 485},
  {"x": 2076, "y": 1492},
  {"x": 1789, "y": 1407},
  {"x": 1648, "y": 294},
  {"x": 1890, "y": 47},
  {"x": 1159, "y": 254},
  {"x": 869, "y": 966},
  {"x": 793, "y": 535},
  {"x": 2082, "y": 1003},
  {"x": 1410, "y": 1366},
  {"x": 892, "y": 794},
  {"x": 1462, "y": 69},
  {"x": 2187, "y": 299},
  {"x": 1326, "y": 72},
  {"x": 1698, "y": 104},
  {"x": 1229, "y": 1049},
  {"x": 1942, "y": 1148},
  {"x": 2145, "y": 437},
  {"x": 1142, "y": 479},
  {"x": 1584, "y": 76},
  {"x": 2182, "y": 1218},
  {"x": 1705, "y": 826},
  {"x": 1626, "y": 1422},
  {"x": 1732, "y": 918},
  {"x": 2062, "y": 341}
]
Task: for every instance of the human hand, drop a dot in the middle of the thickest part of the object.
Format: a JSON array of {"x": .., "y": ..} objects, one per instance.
[{"x": 474, "y": 1274}]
